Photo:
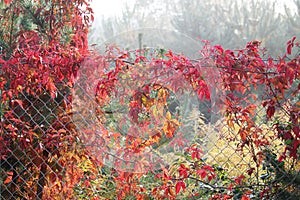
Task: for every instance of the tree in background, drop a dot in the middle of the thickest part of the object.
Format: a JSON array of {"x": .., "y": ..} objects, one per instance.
[
  {"x": 228, "y": 23},
  {"x": 292, "y": 18},
  {"x": 134, "y": 16},
  {"x": 233, "y": 23}
]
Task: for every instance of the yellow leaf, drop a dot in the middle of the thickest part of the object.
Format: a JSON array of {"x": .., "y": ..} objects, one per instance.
[
  {"x": 19, "y": 87},
  {"x": 162, "y": 95},
  {"x": 168, "y": 116},
  {"x": 155, "y": 111},
  {"x": 147, "y": 101},
  {"x": 175, "y": 121}
]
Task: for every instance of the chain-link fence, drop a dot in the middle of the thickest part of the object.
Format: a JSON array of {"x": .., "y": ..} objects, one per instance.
[{"x": 54, "y": 144}]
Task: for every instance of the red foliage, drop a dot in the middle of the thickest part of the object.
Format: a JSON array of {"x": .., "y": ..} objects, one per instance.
[
  {"x": 38, "y": 68},
  {"x": 41, "y": 68}
]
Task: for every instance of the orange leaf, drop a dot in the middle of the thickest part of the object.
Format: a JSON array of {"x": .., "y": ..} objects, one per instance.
[
  {"x": 10, "y": 173},
  {"x": 52, "y": 89},
  {"x": 245, "y": 198},
  {"x": 60, "y": 131},
  {"x": 243, "y": 135},
  {"x": 9, "y": 178},
  {"x": 170, "y": 127}
]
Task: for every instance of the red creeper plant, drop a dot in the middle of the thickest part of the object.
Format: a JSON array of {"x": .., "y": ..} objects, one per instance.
[
  {"x": 135, "y": 109},
  {"x": 149, "y": 118},
  {"x": 243, "y": 72},
  {"x": 247, "y": 78},
  {"x": 43, "y": 44}
]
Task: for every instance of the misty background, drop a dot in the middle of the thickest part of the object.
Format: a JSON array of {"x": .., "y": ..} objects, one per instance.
[{"x": 180, "y": 25}]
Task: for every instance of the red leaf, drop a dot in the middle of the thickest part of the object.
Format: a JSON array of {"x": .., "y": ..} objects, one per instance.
[
  {"x": 290, "y": 45},
  {"x": 208, "y": 168},
  {"x": 7, "y": 1},
  {"x": 179, "y": 185},
  {"x": 183, "y": 170},
  {"x": 203, "y": 90},
  {"x": 239, "y": 180},
  {"x": 9, "y": 93},
  {"x": 20, "y": 102},
  {"x": 196, "y": 155},
  {"x": 289, "y": 49},
  {"x": 202, "y": 173},
  {"x": 134, "y": 111},
  {"x": 250, "y": 171},
  {"x": 270, "y": 111},
  {"x": 230, "y": 187},
  {"x": 296, "y": 130},
  {"x": 210, "y": 177},
  {"x": 219, "y": 49}
]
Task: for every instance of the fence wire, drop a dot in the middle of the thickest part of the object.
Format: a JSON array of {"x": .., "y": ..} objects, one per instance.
[{"x": 35, "y": 132}]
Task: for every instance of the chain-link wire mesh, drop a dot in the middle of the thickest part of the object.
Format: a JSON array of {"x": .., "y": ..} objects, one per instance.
[
  {"x": 27, "y": 169},
  {"x": 33, "y": 128},
  {"x": 42, "y": 137}
]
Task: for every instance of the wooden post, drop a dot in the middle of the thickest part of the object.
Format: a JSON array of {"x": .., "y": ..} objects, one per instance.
[{"x": 140, "y": 42}]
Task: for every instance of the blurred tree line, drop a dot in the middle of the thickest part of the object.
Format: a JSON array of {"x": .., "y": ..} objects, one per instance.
[{"x": 229, "y": 23}]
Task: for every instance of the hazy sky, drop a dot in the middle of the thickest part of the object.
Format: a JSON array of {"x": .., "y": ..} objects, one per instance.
[
  {"x": 113, "y": 7},
  {"x": 107, "y": 8}
]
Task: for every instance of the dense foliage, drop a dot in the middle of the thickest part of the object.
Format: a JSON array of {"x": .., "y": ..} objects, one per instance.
[
  {"x": 79, "y": 124},
  {"x": 43, "y": 44}
]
